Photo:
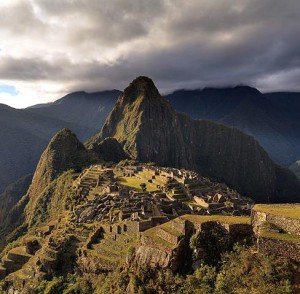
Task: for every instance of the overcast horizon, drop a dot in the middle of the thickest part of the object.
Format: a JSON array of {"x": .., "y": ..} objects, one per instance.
[{"x": 49, "y": 48}]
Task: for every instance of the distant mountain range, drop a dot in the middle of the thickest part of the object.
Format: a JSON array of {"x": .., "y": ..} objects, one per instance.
[
  {"x": 25, "y": 133},
  {"x": 273, "y": 119}
]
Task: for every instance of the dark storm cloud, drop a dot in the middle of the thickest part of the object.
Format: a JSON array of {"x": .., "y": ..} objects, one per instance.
[{"x": 95, "y": 45}]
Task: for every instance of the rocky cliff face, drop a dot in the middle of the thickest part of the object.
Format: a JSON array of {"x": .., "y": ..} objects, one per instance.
[
  {"x": 110, "y": 150},
  {"x": 150, "y": 130}
]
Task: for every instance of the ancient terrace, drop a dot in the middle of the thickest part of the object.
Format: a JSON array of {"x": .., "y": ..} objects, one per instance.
[{"x": 150, "y": 195}]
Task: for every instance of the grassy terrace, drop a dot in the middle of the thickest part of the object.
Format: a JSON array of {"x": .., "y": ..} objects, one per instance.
[
  {"x": 143, "y": 177},
  {"x": 281, "y": 236},
  {"x": 168, "y": 228},
  {"x": 152, "y": 233},
  {"x": 158, "y": 240},
  {"x": 285, "y": 210},
  {"x": 198, "y": 219},
  {"x": 20, "y": 251}
]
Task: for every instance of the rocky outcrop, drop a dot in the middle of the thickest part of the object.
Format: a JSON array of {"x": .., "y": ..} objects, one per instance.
[
  {"x": 150, "y": 130},
  {"x": 110, "y": 150}
]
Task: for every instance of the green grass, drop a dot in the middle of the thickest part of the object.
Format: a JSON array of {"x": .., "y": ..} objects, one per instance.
[
  {"x": 52, "y": 201},
  {"x": 219, "y": 218},
  {"x": 114, "y": 252},
  {"x": 103, "y": 255},
  {"x": 20, "y": 274},
  {"x": 168, "y": 228},
  {"x": 142, "y": 177},
  {"x": 285, "y": 210},
  {"x": 280, "y": 236}
]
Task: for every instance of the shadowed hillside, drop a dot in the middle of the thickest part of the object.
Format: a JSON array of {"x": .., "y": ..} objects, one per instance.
[{"x": 272, "y": 119}]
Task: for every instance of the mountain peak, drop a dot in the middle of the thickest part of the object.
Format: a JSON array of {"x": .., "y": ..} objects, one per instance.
[
  {"x": 141, "y": 86},
  {"x": 64, "y": 152},
  {"x": 150, "y": 130},
  {"x": 62, "y": 138}
]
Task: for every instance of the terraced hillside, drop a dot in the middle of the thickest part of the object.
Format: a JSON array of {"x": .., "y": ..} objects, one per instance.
[{"x": 169, "y": 245}]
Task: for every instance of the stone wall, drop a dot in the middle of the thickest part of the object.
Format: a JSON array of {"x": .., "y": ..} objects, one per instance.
[
  {"x": 144, "y": 225},
  {"x": 168, "y": 237},
  {"x": 290, "y": 225},
  {"x": 257, "y": 219},
  {"x": 132, "y": 226},
  {"x": 179, "y": 225},
  {"x": 172, "y": 247},
  {"x": 282, "y": 248},
  {"x": 287, "y": 224},
  {"x": 153, "y": 256},
  {"x": 94, "y": 236}
]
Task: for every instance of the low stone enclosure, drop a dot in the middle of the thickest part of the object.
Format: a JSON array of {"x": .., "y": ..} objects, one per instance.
[{"x": 277, "y": 228}]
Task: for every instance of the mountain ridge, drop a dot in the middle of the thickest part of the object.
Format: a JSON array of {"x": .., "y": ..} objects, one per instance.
[
  {"x": 278, "y": 128},
  {"x": 25, "y": 133},
  {"x": 150, "y": 130}
]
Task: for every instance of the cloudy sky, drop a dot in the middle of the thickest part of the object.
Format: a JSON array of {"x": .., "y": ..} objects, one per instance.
[{"x": 51, "y": 47}]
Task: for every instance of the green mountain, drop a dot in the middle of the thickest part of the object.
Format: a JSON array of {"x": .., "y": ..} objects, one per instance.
[
  {"x": 150, "y": 130},
  {"x": 82, "y": 228}
]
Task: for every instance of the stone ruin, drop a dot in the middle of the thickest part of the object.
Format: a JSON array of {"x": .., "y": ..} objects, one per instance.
[
  {"x": 168, "y": 245},
  {"x": 100, "y": 197}
]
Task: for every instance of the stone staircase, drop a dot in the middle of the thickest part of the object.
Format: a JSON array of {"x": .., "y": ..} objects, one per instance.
[{"x": 87, "y": 181}]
